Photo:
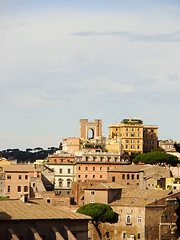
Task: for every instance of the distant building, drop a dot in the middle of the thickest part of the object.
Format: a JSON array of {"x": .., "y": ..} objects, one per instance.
[
  {"x": 71, "y": 144},
  {"x": 167, "y": 145},
  {"x": 94, "y": 166},
  {"x": 65, "y": 174},
  {"x": 61, "y": 157},
  {"x": 131, "y": 136},
  {"x": 139, "y": 176},
  {"x": 16, "y": 180},
  {"x": 90, "y": 130},
  {"x": 106, "y": 193}
]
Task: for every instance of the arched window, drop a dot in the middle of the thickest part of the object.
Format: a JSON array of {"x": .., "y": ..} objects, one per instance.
[
  {"x": 60, "y": 182},
  {"x": 68, "y": 182}
]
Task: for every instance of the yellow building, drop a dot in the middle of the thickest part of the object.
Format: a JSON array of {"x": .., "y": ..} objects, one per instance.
[{"x": 131, "y": 136}]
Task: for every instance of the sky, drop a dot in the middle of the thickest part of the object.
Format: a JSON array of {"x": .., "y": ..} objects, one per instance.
[{"x": 61, "y": 61}]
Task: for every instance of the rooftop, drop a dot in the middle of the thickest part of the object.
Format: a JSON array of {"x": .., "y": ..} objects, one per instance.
[
  {"x": 34, "y": 209},
  {"x": 105, "y": 186},
  {"x": 19, "y": 168},
  {"x": 140, "y": 197},
  {"x": 130, "y": 168}
]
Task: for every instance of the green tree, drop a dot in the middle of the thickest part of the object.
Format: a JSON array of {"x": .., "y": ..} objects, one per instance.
[
  {"x": 100, "y": 213},
  {"x": 156, "y": 157}
]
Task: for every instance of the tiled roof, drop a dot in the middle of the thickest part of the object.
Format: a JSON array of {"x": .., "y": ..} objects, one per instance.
[
  {"x": 130, "y": 168},
  {"x": 105, "y": 186},
  {"x": 140, "y": 197},
  {"x": 34, "y": 209},
  {"x": 19, "y": 168}
]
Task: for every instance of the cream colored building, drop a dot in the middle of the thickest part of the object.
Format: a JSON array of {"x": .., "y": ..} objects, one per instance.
[
  {"x": 131, "y": 136},
  {"x": 65, "y": 174}
]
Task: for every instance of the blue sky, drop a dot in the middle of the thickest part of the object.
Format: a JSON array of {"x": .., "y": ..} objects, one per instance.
[{"x": 65, "y": 60}]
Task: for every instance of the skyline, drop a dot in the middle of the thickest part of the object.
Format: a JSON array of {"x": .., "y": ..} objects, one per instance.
[{"x": 62, "y": 61}]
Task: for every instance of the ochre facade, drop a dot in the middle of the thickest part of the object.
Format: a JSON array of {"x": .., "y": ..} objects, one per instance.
[{"x": 131, "y": 136}]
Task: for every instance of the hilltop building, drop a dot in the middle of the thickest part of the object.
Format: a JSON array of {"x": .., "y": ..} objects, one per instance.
[{"x": 131, "y": 136}]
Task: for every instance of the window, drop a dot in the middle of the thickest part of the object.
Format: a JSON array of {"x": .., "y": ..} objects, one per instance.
[
  {"x": 69, "y": 170},
  {"x": 68, "y": 192},
  {"x": 60, "y": 170},
  {"x": 19, "y": 188},
  {"x": 128, "y": 219},
  {"x": 139, "y": 219},
  {"x": 92, "y": 201},
  {"x": 137, "y": 146},
  {"x": 107, "y": 168},
  {"x": 9, "y": 189},
  {"x": 26, "y": 176},
  {"x": 20, "y": 176},
  {"x": 25, "y": 188},
  {"x": 100, "y": 168},
  {"x": 126, "y": 129},
  {"x": 68, "y": 183},
  {"x": 126, "y": 134},
  {"x": 127, "y": 176},
  {"x": 137, "y": 141},
  {"x": 85, "y": 176},
  {"x": 107, "y": 234},
  {"x": 86, "y": 168},
  {"x": 8, "y": 176},
  {"x": 79, "y": 168},
  {"x": 48, "y": 200},
  {"x": 138, "y": 129},
  {"x": 93, "y": 168},
  {"x": 113, "y": 179},
  {"x": 132, "y": 134},
  {"x": 124, "y": 235},
  {"x": 132, "y": 146},
  {"x": 152, "y": 130},
  {"x": 93, "y": 176},
  {"x": 123, "y": 176},
  {"x": 127, "y": 141},
  {"x": 132, "y": 129},
  {"x": 60, "y": 183},
  {"x": 132, "y": 141},
  {"x": 34, "y": 184},
  {"x": 126, "y": 146},
  {"x": 92, "y": 192},
  {"x": 79, "y": 176},
  {"x": 138, "y": 236},
  {"x": 100, "y": 176},
  {"x": 138, "y": 135},
  {"x": 132, "y": 176},
  {"x": 137, "y": 176}
]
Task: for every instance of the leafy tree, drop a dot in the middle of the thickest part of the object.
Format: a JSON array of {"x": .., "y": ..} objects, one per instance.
[
  {"x": 156, "y": 157},
  {"x": 100, "y": 213},
  {"x": 28, "y": 155}
]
